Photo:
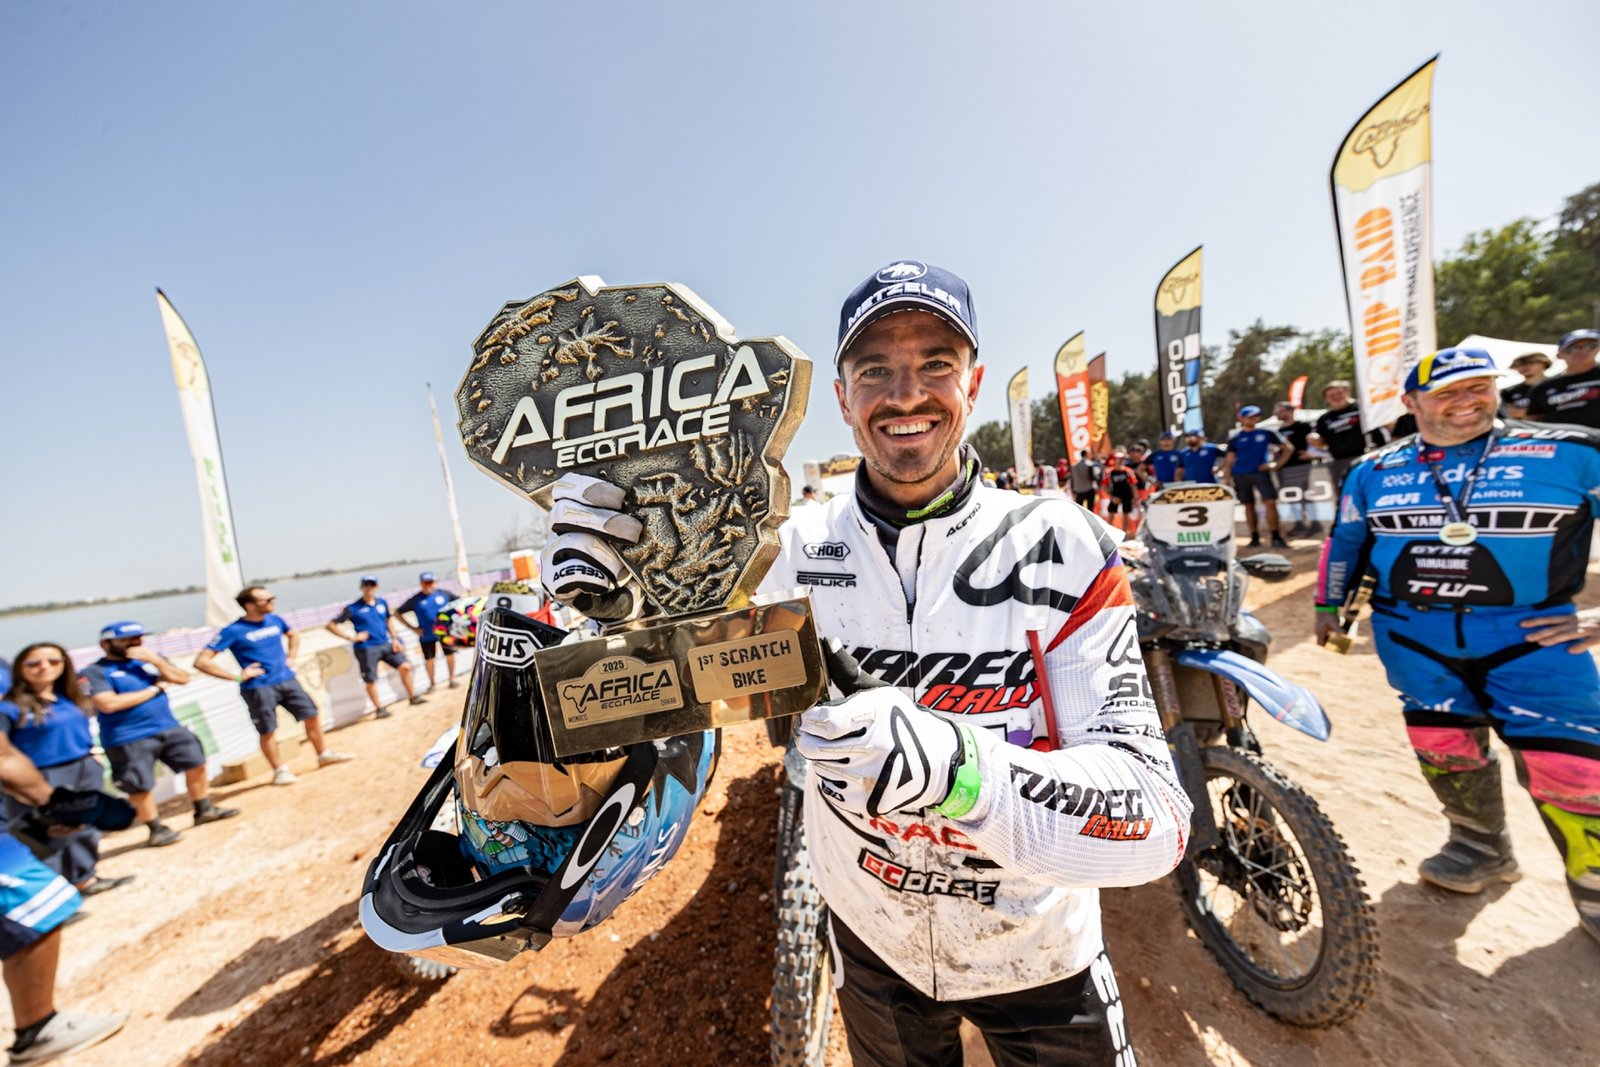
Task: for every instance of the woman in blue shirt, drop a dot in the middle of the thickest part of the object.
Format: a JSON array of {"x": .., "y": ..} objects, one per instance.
[{"x": 46, "y": 716}]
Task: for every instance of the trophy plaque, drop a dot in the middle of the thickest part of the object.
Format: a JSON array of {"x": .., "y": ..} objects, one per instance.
[{"x": 648, "y": 388}]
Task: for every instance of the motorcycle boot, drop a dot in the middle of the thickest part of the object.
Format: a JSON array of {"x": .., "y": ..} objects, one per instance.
[
  {"x": 1478, "y": 853},
  {"x": 1577, "y": 836}
]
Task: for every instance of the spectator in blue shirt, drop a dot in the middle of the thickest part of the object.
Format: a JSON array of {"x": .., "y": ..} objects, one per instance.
[
  {"x": 424, "y": 606},
  {"x": 1253, "y": 454},
  {"x": 46, "y": 716},
  {"x": 266, "y": 677},
  {"x": 1198, "y": 460},
  {"x": 369, "y": 629},
  {"x": 128, "y": 689},
  {"x": 1164, "y": 460}
]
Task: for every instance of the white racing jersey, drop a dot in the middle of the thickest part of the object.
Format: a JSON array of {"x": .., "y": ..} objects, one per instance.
[{"x": 1003, "y": 898}]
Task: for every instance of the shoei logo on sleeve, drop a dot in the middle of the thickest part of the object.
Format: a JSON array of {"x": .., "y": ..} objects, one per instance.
[
  {"x": 620, "y": 687},
  {"x": 827, "y": 550},
  {"x": 903, "y": 271},
  {"x": 505, "y": 648}
]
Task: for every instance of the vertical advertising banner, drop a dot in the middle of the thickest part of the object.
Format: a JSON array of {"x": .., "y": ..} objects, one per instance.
[
  {"x": 1021, "y": 426},
  {"x": 1099, "y": 408},
  {"x": 224, "y": 573},
  {"x": 463, "y": 573},
  {"x": 1178, "y": 344},
  {"x": 1382, "y": 187},
  {"x": 1072, "y": 392},
  {"x": 1297, "y": 391}
]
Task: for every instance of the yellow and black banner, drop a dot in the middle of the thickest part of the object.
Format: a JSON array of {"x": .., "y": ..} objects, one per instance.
[
  {"x": 1382, "y": 181},
  {"x": 1021, "y": 425},
  {"x": 1178, "y": 344},
  {"x": 1099, "y": 408}
]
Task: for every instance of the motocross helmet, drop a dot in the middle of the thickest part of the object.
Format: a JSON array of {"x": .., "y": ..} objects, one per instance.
[{"x": 549, "y": 846}]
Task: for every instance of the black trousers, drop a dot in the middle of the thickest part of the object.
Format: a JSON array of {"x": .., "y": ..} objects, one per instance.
[{"x": 889, "y": 1023}]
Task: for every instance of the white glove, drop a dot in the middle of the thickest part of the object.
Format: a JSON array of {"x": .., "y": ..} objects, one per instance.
[
  {"x": 877, "y": 752},
  {"x": 580, "y": 567}
]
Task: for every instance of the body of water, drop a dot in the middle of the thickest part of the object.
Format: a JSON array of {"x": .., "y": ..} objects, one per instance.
[{"x": 79, "y": 627}]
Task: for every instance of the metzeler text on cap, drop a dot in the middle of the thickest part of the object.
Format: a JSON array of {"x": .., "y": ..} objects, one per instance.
[{"x": 908, "y": 285}]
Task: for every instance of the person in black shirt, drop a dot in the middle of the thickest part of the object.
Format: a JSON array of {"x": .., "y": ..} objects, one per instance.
[
  {"x": 1574, "y": 396},
  {"x": 1295, "y": 472},
  {"x": 1340, "y": 429},
  {"x": 1533, "y": 366}
]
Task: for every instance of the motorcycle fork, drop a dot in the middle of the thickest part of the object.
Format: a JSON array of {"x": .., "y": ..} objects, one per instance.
[{"x": 1185, "y": 748}]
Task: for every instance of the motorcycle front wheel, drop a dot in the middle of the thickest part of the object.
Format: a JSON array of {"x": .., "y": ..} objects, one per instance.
[
  {"x": 802, "y": 982},
  {"x": 1279, "y": 901}
]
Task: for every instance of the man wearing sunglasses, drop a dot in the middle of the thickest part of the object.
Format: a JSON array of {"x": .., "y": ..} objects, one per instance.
[
  {"x": 137, "y": 728},
  {"x": 266, "y": 677}
]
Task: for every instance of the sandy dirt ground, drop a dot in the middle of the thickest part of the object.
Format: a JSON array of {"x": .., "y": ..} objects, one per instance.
[{"x": 240, "y": 945}]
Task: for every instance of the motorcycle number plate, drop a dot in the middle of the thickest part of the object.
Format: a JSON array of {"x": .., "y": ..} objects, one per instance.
[{"x": 1190, "y": 523}]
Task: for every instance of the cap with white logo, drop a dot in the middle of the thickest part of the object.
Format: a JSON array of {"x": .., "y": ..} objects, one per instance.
[
  {"x": 907, "y": 285},
  {"x": 1450, "y": 365}
]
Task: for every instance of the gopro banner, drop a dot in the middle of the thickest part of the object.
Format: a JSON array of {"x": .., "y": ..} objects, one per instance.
[
  {"x": 1072, "y": 392},
  {"x": 1178, "y": 344},
  {"x": 1099, "y": 408},
  {"x": 224, "y": 573},
  {"x": 1021, "y": 426},
  {"x": 1382, "y": 188}
]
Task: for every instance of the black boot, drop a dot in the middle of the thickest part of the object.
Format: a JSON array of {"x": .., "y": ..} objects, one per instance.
[{"x": 1478, "y": 853}]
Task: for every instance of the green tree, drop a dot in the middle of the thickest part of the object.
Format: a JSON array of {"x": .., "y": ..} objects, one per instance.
[
  {"x": 1499, "y": 284},
  {"x": 1322, "y": 357},
  {"x": 1246, "y": 377},
  {"x": 1133, "y": 408},
  {"x": 993, "y": 442},
  {"x": 1048, "y": 443}
]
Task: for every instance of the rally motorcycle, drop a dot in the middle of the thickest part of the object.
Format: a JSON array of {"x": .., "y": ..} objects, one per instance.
[{"x": 1266, "y": 882}]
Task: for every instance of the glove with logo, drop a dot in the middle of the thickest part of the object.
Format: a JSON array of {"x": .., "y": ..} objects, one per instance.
[
  {"x": 580, "y": 566},
  {"x": 877, "y": 752}
]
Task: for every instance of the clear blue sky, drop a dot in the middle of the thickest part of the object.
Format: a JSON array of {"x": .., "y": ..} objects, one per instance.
[{"x": 338, "y": 197}]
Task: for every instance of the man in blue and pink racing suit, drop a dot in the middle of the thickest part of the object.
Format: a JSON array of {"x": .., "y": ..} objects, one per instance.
[{"x": 1477, "y": 533}]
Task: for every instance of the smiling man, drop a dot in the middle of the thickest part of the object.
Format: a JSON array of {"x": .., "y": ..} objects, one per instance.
[
  {"x": 958, "y": 829},
  {"x": 1478, "y": 534}
]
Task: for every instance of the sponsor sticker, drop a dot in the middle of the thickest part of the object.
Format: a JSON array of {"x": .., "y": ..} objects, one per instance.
[
  {"x": 926, "y": 883},
  {"x": 620, "y": 687}
]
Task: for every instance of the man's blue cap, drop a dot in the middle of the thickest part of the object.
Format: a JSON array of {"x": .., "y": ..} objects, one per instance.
[
  {"x": 121, "y": 629},
  {"x": 907, "y": 285},
  {"x": 369, "y": 579},
  {"x": 1249, "y": 409},
  {"x": 1578, "y": 335},
  {"x": 425, "y": 576},
  {"x": 1450, "y": 365}
]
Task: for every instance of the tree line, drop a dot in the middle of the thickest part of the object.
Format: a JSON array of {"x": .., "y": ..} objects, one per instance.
[{"x": 1530, "y": 280}]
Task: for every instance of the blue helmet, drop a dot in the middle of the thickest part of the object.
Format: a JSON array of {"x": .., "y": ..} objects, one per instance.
[{"x": 547, "y": 846}]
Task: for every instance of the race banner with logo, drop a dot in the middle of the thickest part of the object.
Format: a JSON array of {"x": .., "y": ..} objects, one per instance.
[
  {"x": 1178, "y": 344},
  {"x": 1021, "y": 426},
  {"x": 1072, "y": 393},
  {"x": 1382, "y": 189},
  {"x": 1297, "y": 391},
  {"x": 1099, "y": 408},
  {"x": 224, "y": 573}
]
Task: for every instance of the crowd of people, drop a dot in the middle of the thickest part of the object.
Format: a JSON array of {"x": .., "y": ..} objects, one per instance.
[
  {"x": 62, "y": 731},
  {"x": 1261, "y": 462}
]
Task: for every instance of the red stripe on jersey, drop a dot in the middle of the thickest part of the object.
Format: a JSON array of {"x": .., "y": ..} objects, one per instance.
[{"x": 1108, "y": 590}]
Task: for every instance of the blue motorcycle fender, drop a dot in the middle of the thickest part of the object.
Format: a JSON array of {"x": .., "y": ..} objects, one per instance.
[{"x": 1291, "y": 704}]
